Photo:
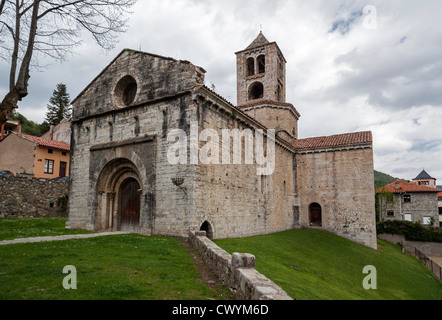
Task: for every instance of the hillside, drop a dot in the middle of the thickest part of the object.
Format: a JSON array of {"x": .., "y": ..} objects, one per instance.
[
  {"x": 382, "y": 179},
  {"x": 317, "y": 265}
]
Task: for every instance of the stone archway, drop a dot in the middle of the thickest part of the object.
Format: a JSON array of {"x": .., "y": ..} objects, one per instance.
[
  {"x": 315, "y": 215},
  {"x": 206, "y": 226},
  {"x": 119, "y": 189}
]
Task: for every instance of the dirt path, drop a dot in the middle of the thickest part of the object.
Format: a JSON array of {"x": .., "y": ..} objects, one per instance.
[
  {"x": 207, "y": 275},
  {"x": 58, "y": 238}
]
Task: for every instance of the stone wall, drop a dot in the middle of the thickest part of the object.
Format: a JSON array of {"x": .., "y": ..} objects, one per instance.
[
  {"x": 236, "y": 271},
  {"x": 31, "y": 197},
  {"x": 429, "y": 248},
  {"x": 233, "y": 198},
  {"x": 341, "y": 182},
  {"x": 422, "y": 204}
]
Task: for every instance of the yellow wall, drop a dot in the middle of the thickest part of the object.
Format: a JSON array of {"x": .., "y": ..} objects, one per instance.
[{"x": 42, "y": 154}]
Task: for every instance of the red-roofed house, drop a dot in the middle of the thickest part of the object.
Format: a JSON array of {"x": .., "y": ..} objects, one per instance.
[
  {"x": 34, "y": 156},
  {"x": 409, "y": 201}
]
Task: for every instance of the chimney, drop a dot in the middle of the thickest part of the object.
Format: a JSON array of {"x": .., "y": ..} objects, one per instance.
[
  {"x": 51, "y": 132},
  {"x": 397, "y": 186}
]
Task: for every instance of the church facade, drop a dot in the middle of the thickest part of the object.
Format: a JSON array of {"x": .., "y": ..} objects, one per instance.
[{"x": 153, "y": 151}]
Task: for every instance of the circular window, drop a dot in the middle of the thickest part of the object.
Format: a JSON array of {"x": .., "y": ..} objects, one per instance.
[{"x": 126, "y": 90}]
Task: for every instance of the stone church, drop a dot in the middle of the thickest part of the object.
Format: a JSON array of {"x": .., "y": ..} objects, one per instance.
[{"x": 122, "y": 178}]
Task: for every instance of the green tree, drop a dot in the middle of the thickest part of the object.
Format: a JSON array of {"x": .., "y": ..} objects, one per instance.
[
  {"x": 28, "y": 126},
  {"x": 60, "y": 106}
]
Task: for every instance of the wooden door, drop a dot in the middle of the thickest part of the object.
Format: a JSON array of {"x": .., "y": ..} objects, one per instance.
[
  {"x": 130, "y": 204},
  {"x": 63, "y": 166},
  {"x": 315, "y": 215}
]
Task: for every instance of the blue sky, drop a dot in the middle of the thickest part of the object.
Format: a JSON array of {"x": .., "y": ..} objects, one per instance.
[{"x": 345, "y": 73}]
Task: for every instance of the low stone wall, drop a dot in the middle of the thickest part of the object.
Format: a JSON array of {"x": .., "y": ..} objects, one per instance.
[
  {"x": 429, "y": 248},
  {"x": 237, "y": 271},
  {"x": 32, "y": 197}
]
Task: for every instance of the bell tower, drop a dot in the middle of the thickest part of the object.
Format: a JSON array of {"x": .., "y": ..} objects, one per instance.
[{"x": 261, "y": 87}]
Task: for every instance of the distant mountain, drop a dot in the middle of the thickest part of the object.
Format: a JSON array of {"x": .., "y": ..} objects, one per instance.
[
  {"x": 382, "y": 179},
  {"x": 439, "y": 187}
]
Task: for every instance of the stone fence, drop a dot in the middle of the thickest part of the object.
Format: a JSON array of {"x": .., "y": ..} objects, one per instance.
[
  {"x": 236, "y": 271},
  {"x": 429, "y": 248},
  {"x": 33, "y": 197}
]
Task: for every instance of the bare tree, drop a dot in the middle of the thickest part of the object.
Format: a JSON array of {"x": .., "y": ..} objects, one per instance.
[{"x": 32, "y": 28}]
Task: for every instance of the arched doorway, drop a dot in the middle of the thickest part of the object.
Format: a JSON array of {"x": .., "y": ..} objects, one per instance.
[
  {"x": 315, "y": 215},
  {"x": 208, "y": 228},
  {"x": 119, "y": 190},
  {"x": 129, "y": 205}
]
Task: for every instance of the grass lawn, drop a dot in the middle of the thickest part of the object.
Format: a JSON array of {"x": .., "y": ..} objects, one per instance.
[
  {"x": 112, "y": 267},
  {"x": 108, "y": 268},
  {"x": 316, "y": 265},
  {"x": 12, "y": 228}
]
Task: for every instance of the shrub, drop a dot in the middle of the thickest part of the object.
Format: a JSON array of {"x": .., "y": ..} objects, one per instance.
[{"x": 411, "y": 231}]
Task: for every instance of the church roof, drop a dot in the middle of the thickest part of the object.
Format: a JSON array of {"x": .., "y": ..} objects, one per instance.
[
  {"x": 339, "y": 140},
  {"x": 258, "y": 42},
  {"x": 423, "y": 175},
  {"x": 400, "y": 186}
]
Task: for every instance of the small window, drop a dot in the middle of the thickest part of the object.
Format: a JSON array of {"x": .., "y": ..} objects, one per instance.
[
  {"x": 51, "y": 151},
  {"x": 285, "y": 188},
  {"x": 49, "y": 166},
  {"x": 407, "y": 198},
  {"x": 250, "y": 67},
  {"x": 125, "y": 91},
  {"x": 129, "y": 93},
  {"x": 63, "y": 153},
  {"x": 426, "y": 221},
  {"x": 390, "y": 213},
  {"x": 407, "y": 217},
  {"x": 262, "y": 64}
]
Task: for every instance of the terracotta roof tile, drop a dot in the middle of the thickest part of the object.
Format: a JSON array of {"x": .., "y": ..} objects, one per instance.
[
  {"x": 334, "y": 141},
  {"x": 45, "y": 142},
  {"x": 403, "y": 186}
]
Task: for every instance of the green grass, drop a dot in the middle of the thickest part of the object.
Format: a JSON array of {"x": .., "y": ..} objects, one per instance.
[
  {"x": 12, "y": 228},
  {"x": 108, "y": 268},
  {"x": 316, "y": 265}
]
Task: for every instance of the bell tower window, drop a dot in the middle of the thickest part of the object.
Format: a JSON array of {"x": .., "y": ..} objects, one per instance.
[
  {"x": 261, "y": 64},
  {"x": 256, "y": 91},
  {"x": 250, "y": 67}
]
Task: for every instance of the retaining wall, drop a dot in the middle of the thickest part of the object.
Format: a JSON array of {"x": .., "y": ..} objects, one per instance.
[
  {"x": 429, "y": 248},
  {"x": 237, "y": 271},
  {"x": 31, "y": 197}
]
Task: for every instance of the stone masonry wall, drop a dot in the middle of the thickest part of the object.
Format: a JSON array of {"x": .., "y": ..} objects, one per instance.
[
  {"x": 31, "y": 197},
  {"x": 237, "y": 271},
  {"x": 422, "y": 204},
  {"x": 341, "y": 182},
  {"x": 233, "y": 198}
]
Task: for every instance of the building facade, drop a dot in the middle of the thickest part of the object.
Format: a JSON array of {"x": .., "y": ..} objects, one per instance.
[
  {"x": 33, "y": 156},
  {"x": 152, "y": 151},
  {"x": 409, "y": 201}
]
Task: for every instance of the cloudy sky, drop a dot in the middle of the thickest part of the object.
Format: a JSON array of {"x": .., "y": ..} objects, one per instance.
[{"x": 352, "y": 65}]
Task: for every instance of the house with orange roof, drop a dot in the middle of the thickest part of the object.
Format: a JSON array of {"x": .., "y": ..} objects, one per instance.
[
  {"x": 33, "y": 156},
  {"x": 410, "y": 201}
]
